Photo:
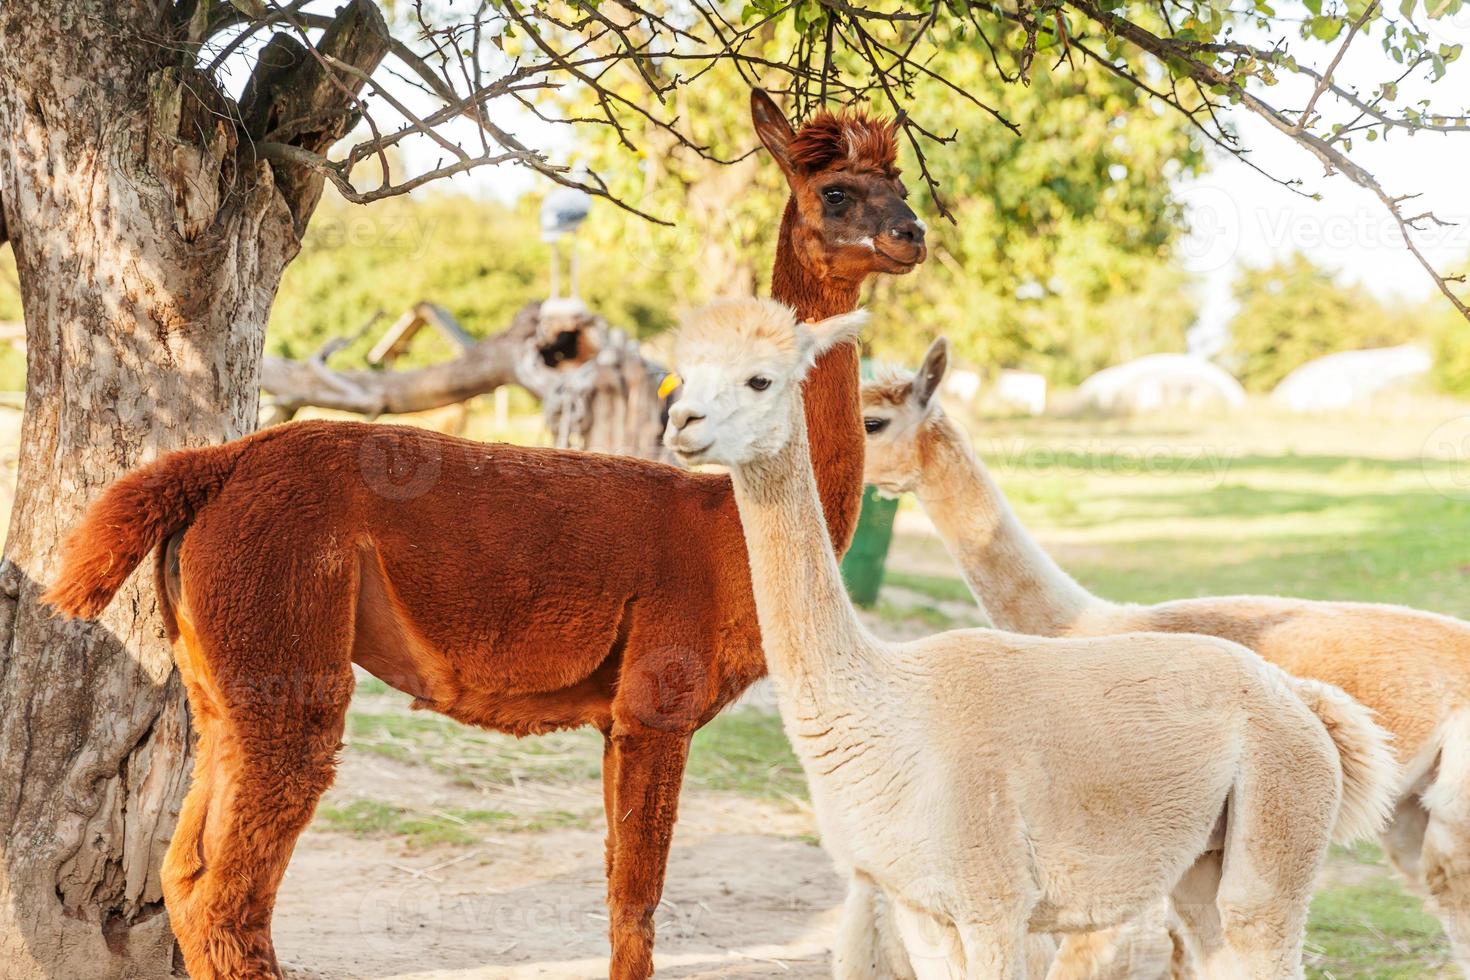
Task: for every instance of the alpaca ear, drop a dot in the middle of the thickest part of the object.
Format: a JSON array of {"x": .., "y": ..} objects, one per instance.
[
  {"x": 773, "y": 129},
  {"x": 931, "y": 372},
  {"x": 820, "y": 336}
]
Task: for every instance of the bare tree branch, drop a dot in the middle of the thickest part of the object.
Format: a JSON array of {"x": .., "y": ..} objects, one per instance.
[
  {"x": 1333, "y": 159},
  {"x": 480, "y": 368},
  {"x": 1325, "y": 80}
]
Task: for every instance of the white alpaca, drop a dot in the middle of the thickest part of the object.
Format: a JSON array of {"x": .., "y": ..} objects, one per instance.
[
  {"x": 1412, "y": 668},
  {"x": 991, "y": 784}
]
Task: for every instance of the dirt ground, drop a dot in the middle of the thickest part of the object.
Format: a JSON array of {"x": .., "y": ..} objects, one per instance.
[
  {"x": 738, "y": 903},
  {"x": 749, "y": 892}
]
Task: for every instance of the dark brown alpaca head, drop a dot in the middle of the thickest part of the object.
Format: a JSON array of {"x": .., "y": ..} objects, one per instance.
[{"x": 847, "y": 217}]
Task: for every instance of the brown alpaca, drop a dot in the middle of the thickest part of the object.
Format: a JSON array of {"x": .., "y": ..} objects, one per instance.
[{"x": 524, "y": 590}]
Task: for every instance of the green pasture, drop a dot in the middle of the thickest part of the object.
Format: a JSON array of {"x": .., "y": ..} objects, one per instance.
[{"x": 1363, "y": 506}]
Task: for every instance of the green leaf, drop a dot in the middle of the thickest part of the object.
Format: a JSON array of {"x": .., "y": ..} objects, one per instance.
[{"x": 1326, "y": 28}]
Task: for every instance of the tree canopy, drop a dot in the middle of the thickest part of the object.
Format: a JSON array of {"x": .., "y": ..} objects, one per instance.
[{"x": 638, "y": 70}]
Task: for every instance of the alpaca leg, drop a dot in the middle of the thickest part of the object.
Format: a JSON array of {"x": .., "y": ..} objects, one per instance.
[
  {"x": 650, "y": 768},
  {"x": 184, "y": 863},
  {"x": 1260, "y": 945},
  {"x": 1137, "y": 950},
  {"x": 932, "y": 945},
  {"x": 1265, "y": 889},
  {"x": 1180, "y": 964},
  {"x": 1446, "y": 870},
  {"x": 1085, "y": 955},
  {"x": 992, "y": 953},
  {"x": 270, "y": 723},
  {"x": 1278, "y": 824},
  {"x": 1253, "y": 936},
  {"x": 1040, "y": 950},
  {"x": 609, "y": 804},
  {"x": 1403, "y": 839},
  {"x": 867, "y": 946},
  {"x": 1197, "y": 934},
  {"x": 226, "y": 865}
]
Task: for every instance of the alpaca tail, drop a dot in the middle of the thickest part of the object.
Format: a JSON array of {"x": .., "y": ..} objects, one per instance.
[
  {"x": 1371, "y": 777},
  {"x": 134, "y": 513}
]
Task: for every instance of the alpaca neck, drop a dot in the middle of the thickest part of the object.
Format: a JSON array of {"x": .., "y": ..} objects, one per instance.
[
  {"x": 1022, "y": 589},
  {"x": 834, "y": 416},
  {"x": 808, "y": 626}
]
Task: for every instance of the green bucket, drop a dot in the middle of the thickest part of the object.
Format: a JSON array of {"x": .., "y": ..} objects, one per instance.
[{"x": 862, "y": 566}]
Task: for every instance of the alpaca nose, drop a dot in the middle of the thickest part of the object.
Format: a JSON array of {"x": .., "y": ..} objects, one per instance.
[
  {"x": 682, "y": 415},
  {"x": 910, "y": 230}
]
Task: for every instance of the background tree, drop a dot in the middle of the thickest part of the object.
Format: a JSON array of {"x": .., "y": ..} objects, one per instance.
[
  {"x": 1061, "y": 254},
  {"x": 1449, "y": 341},
  {"x": 161, "y": 161},
  {"x": 1294, "y": 311},
  {"x": 1062, "y": 257},
  {"x": 148, "y": 240}
]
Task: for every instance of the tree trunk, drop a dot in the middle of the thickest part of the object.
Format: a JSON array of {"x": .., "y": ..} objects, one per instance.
[{"x": 149, "y": 249}]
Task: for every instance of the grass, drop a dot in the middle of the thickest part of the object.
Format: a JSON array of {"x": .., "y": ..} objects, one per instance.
[
  {"x": 741, "y": 751},
  {"x": 374, "y": 818},
  {"x": 1366, "y": 927},
  {"x": 944, "y": 588},
  {"x": 1321, "y": 526},
  {"x": 474, "y": 758},
  {"x": 1373, "y": 931},
  {"x": 906, "y": 613},
  {"x": 746, "y": 751}
]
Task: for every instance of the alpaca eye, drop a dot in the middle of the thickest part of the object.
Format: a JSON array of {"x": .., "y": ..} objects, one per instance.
[
  {"x": 834, "y": 195},
  {"x": 873, "y": 426},
  {"x": 759, "y": 383}
]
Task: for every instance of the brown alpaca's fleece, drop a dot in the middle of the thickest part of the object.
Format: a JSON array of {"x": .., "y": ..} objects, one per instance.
[{"x": 520, "y": 589}]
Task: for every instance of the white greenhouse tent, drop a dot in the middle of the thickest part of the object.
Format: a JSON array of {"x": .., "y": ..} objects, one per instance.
[
  {"x": 1350, "y": 377},
  {"x": 1161, "y": 382}
]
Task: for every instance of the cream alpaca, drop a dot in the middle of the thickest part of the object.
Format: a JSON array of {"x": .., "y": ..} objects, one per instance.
[
  {"x": 992, "y": 784},
  {"x": 1411, "y": 667}
]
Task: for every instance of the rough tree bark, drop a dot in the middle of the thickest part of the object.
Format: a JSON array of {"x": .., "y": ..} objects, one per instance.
[{"x": 149, "y": 243}]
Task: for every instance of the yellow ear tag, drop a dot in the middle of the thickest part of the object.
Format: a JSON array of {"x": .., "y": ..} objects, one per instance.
[{"x": 669, "y": 383}]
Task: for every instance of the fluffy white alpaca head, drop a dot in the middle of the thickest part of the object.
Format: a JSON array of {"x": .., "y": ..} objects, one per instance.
[
  {"x": 897, "y": 409},
  {"x": 741, "y": 363}
]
